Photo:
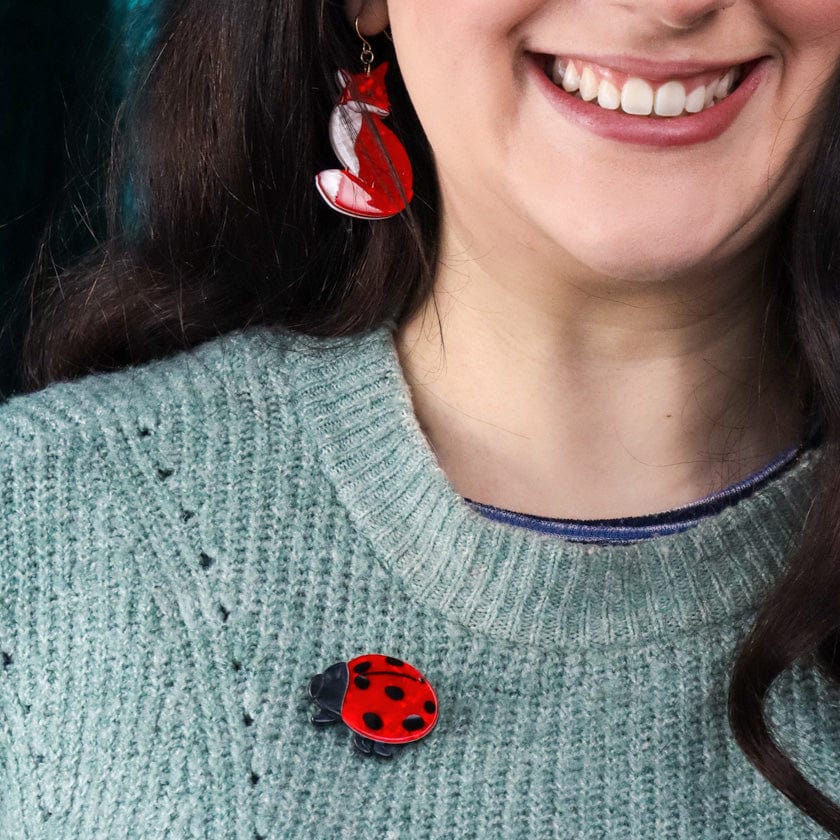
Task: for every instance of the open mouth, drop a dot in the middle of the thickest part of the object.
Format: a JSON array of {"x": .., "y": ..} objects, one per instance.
[{"x": 612, "y": 90}]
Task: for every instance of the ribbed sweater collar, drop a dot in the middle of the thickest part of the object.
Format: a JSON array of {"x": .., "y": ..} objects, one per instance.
[{"x": 512, "y": 583}]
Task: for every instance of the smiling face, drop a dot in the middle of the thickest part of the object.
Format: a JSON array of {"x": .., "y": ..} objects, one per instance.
[{"x": 527, "y": 164}]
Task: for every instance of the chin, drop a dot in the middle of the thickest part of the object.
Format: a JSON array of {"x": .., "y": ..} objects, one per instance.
[
  {"x": 634, "y": 262},
  {"x": 655, "y": 252}
]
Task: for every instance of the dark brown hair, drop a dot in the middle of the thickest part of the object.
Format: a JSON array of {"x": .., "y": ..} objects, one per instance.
[{"x": 213, "y": 224}]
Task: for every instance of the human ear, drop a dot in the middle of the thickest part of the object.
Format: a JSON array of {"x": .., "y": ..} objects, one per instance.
[{"x": 372, "y": 15}]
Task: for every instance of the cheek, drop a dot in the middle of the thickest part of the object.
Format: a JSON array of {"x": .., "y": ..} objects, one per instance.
[
  {"x": 812, "y": 30},
  {"x": 803, "y": 19},
  {"x": 466, "y": 49},
  {"x": 441, "y": 30}
]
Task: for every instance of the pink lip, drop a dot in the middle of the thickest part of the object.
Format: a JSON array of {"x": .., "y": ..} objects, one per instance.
[{"x": 651, "y": 131}]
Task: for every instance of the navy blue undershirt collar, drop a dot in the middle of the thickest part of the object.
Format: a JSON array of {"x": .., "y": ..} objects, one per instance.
[{"x": 634, "y": 528}]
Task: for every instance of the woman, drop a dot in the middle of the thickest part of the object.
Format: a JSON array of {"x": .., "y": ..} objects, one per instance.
[{"x": 561, "y": 433}]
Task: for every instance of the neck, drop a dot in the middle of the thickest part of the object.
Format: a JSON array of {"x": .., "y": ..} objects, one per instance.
[{"x": 597, "y": 398}]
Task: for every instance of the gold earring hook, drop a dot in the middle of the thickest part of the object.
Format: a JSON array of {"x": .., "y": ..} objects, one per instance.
[{"x": 367, "y": 49}]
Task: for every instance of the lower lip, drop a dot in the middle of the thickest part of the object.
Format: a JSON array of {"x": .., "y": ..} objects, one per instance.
[{"x": 651, "y": 131}]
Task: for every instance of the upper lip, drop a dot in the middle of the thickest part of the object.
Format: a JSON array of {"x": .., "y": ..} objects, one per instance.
[{"x": 655, "y": 70}]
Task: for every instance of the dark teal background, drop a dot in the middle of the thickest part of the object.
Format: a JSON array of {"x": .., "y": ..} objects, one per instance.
[{"x": 63, "y": 65}]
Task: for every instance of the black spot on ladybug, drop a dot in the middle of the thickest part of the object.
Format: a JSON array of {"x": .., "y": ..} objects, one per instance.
[
  {"x": 391, "y": 660},
  {"x": 413, "y": 722},
  {"x": 361, "y": 667},
  {"x": 430, "y": 707},
  {"x": 372, "y": 720},
  {"x": 361, "y": 682},
  {"x": 394, "y": 692}
]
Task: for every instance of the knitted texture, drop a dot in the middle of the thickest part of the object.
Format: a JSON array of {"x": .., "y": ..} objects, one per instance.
[{"x": 184, "y": 544}]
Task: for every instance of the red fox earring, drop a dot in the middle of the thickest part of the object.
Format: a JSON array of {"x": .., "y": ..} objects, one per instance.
[{"x": 376, "y": 181}]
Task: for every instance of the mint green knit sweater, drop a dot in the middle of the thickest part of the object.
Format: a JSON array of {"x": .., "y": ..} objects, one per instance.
[{"x": 183, "y": 545}]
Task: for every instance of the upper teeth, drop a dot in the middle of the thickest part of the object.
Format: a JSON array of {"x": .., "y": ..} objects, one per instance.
[{"x": 640, "y": 97}]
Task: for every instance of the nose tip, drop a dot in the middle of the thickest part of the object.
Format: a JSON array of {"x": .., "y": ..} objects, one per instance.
[
  {"x": 689, "y": 14},
  {"x": 679, "y": 15}
]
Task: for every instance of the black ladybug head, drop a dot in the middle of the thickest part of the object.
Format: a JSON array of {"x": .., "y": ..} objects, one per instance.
[{"x": 328, "y": 689}]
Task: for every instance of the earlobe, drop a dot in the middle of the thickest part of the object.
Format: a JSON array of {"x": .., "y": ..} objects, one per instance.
[{"x": 372, "y": 15}]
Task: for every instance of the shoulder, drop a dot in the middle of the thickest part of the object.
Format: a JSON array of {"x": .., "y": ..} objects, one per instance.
[
  {"x": 250, "y": 376},
  {"x": 198, "y": 454},
  {"x": 189, "y": 382},
  {"x": 190, "y": 430},
  {"x": 152, "y": 441},
  {"x": 234, "y": 399}
]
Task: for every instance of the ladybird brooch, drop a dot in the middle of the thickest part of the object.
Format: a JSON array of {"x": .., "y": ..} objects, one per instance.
[{"x": 385, "y": 702}]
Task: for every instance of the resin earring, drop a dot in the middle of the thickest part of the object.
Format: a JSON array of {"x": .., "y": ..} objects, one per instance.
[{"x": 376, "y": 182}]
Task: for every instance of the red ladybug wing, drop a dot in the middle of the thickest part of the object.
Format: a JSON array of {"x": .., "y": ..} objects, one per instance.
[{"x": 388, "y": 700}]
